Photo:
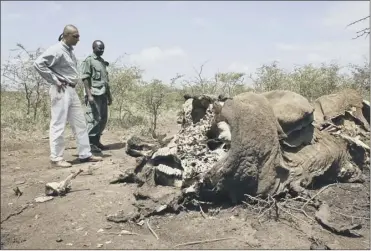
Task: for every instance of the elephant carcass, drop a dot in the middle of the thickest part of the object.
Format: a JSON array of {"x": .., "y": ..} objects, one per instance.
[{"x": 253, "y": 163}]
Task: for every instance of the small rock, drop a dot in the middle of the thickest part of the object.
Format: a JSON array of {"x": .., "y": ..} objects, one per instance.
[
  {"x": 125, "y": 232},
  {"x": 43, "y": 199},
  {"x": 100, "y": 230},
  {"x": 108, "y": 242},
  {"x": 59, "y": 240},
  {"x": 161, "y": 208},
  {"x": 20, "y": 182},
  {"x": 69, "y": 244},
  {"x": 99, "y": 245},
  {"x": 108, "y": 227}
]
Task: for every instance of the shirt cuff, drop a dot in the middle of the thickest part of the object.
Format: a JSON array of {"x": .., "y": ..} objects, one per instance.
[{"x": 85, "y": 76}]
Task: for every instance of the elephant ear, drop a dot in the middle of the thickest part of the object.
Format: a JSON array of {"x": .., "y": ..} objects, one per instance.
[
  {"x": 281, "y": 134},
  {"x": 292, "y": 110}
]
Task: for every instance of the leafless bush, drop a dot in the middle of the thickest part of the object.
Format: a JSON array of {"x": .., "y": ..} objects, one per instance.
[
  {"x": 363, "y": 32},
  {"x": 21, "y": 76}
]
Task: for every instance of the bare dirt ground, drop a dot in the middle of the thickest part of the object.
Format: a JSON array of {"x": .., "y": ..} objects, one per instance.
[{"x": 78, "y": 220}]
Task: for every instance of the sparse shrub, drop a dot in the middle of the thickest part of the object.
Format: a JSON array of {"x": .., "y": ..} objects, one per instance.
[
  {"x": 25, "y": 102},
  {"x": 154, "y": 101}
]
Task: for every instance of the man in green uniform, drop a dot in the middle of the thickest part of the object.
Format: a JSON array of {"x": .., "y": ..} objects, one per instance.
[{"x": 97, "y": 94}]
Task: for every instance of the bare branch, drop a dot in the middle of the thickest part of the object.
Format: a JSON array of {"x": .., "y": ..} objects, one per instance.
[
  {"x": 363, "y": 32},
  {"x": 174, "y": 79},
  {"x": 359, "y": 20},
  {"x": 199, "y": 72}
]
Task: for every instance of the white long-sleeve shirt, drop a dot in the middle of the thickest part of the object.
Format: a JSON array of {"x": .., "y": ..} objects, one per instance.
[{"x": 58, "y": 62}]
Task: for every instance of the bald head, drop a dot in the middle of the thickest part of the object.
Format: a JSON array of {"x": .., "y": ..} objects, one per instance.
[
  {"x": 70, "y": 35},
  {"x": 98, "y": 47},
  {"x": 69, "y": 29}
]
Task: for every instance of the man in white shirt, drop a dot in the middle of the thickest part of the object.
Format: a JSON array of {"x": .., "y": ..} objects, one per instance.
[{"x": 58, "y": 66}]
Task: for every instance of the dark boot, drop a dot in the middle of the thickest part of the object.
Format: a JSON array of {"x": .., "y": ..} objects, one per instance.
[
  {"x": 100, "y": 145},
  {"x": 94, "y": 145}
]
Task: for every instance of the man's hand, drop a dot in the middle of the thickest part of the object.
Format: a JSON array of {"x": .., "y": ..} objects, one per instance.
[
  {"x": 60, "y": 87},
  {"x": 91, "y": 99},
  {"x": 109, "y": 101}
]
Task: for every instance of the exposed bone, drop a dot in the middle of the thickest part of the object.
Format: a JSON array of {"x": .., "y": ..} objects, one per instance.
[
  {"x": 355, "y": 141},
  {"x": 169, "y": 170},
  {"x": 224, "y": 131},
  {"x": 60, "y": 188}
]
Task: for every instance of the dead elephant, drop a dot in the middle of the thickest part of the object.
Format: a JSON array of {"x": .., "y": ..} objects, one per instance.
[{"x": 253, "y": 163}]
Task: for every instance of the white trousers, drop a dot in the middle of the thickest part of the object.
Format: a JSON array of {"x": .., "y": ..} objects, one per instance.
[{"x": 66, "y": 106}]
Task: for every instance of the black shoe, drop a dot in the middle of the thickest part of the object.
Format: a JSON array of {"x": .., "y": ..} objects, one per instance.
[
  {"x": 91, "y": 159},
  {"x": 95, "y": 148},
  {"x": 102, "y": 147}
]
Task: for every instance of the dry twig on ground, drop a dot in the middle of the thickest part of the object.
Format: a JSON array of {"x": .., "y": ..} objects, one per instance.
[
  {"x": 152, "y": 231},
  {"x": 202, "y": 212},
  {"x": 204, "y": 241},
  {"x": 320, "y": 191},
  {"x": 263, "y": 206}
]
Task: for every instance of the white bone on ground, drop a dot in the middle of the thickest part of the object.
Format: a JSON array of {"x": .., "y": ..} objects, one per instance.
[
  {"x": 169, "y": 170},
  {"x": 165, "y": 151},
  {"x": 224, "y": 131}
]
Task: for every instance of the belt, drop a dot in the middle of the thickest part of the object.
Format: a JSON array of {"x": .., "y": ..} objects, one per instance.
[{"x": 67, "y": 83}]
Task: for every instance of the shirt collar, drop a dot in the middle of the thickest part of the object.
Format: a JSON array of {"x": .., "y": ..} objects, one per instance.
[
  {"x": 70, "y": 48},
  {"x": 95, "y": 56}
]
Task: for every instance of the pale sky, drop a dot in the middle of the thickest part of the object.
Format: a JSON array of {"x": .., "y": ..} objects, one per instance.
[{"x": 165, "y": 38}]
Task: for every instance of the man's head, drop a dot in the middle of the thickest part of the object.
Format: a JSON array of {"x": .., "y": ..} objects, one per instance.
[
  {"x": 98, "y": 48},
  {"x": 70, "y": 35}
]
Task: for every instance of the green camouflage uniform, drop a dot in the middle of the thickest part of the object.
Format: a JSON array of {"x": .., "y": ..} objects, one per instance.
[{"x": 94, "y": 69}]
